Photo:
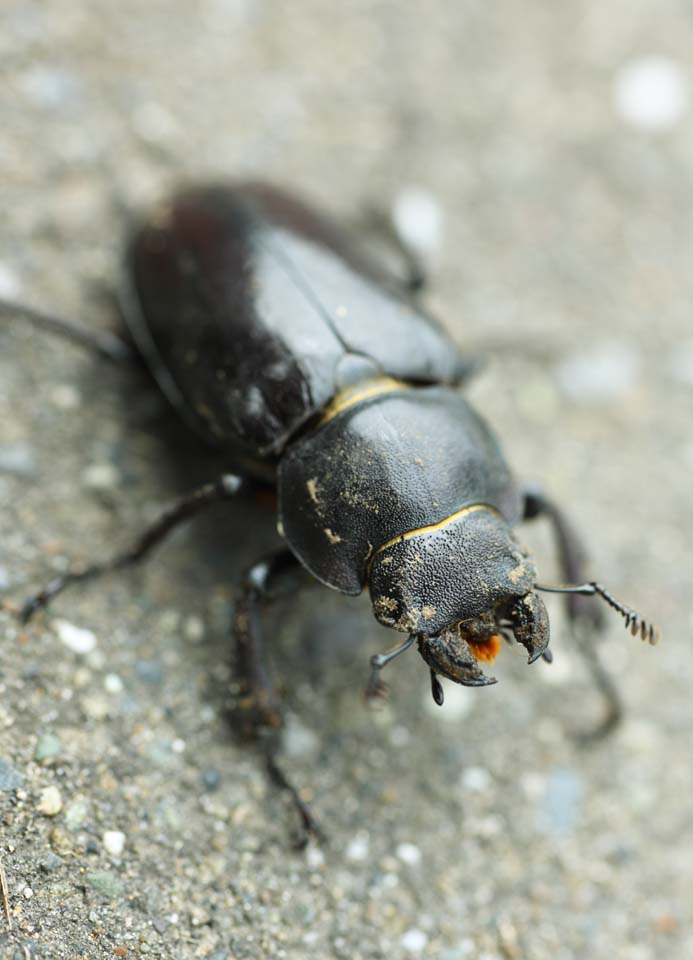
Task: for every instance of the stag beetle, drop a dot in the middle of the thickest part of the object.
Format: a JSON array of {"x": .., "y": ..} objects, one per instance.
[{"x": 319, "y": 375}]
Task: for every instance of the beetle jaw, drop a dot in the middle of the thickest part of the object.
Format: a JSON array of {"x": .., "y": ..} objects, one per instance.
[{"x": 457, "y": 651}]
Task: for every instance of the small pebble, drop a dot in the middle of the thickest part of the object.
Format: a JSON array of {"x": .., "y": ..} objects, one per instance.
[
  {"x": 651, "y": 93},
  {"x": 600, "y": 374},
  {"x": 75, "y": 813},
  {"x": 65, "y": 397},
  {"x": 409, "y": 853},
  {"x": 51, "y": 802},
  {"x": 476, "y": 779},
  {"x": 299, "y": 740},
  {"x": 51, "y": 862},
  {"x": 114, "y": 842},
  {"x": 199, "y": 917},
  {"x": 194, "y": 628},
  {"x": 154, "y": 124},
  {"x": 17, "y": 459},
  {"x": 100, "y": 476},
  {"x": 61, "y": 841},
  {"x": 10, "y": 779},
  {"x": 75, "y": 638},
  {"x": 27, "y": 893},
  {"x": 47, "y": 747},
  {"x": 561, "y": 806},
  {"x": 10, "y": 287},
  {"x": 357, "y": 848},
  {"x": 112, "y": 683},
  {"x": 315, "y": 858},
  {"x": 418, "y": 218},
  {"x": 414, "y": 940},
  {"x": 178, "y": 745},
  {"x": 95, "y": 707},
  {"x": 106, "y": 883},
  {"x": 211, "y": 779},
  {"x": 48, "y": 87},
  {"x": 150, "y": 671}
]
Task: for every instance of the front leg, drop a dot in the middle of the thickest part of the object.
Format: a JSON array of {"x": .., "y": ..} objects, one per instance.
[
  {"x": 584, "y": 614},
  {"x": 572, "y": 556}
]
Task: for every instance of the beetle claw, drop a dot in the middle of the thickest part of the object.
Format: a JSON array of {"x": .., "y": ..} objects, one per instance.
[
  {"x": 449, "y": 655},
  {"x": 530, "y": 625}
]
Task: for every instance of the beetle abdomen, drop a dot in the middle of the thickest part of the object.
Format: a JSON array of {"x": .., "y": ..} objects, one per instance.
[
  {"x": 244, "y": 302},
  {"x": 400, "y": 460}
]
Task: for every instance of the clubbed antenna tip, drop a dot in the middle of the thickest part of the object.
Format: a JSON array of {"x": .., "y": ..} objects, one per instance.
[{"x": 634, "y": 622}]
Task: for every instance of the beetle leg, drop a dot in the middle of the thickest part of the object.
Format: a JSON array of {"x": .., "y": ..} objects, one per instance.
[
  {"x": 585, "y": 616},
  {"x": 375, "y": 687},
  {"x": 379, "y": 222},
  {"x": 572, "y": 556},
  {"x": 224, "y": 488},
  {"x": 106, "y": 345},
  {"x": 257, "y": 713}
]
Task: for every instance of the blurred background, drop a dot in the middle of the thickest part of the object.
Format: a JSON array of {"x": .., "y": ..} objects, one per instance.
[{"x": 542, "y": 155}]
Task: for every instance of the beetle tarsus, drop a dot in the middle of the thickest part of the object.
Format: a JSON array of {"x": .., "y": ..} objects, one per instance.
[
  {"x": 310, "y": 828},
  {"x": 375, "y": 687}
]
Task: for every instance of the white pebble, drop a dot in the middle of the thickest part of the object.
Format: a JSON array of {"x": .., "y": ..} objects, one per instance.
[
  {"x": 409, "y": 853},
  {"x": 357, "y": 849},
  {"x": 178, "y": 745},
  {"x": 414, "y": 940},
  {"x": 154, "y": 124},
  {"x": 299, "y": 740},
  {"x": 114, "y": 842},
  {"x": 100, "y": 476},
  {"x": 315, "y": 858},
  {"x": 65, "y": 397},
  {"x": 194, "y": 628},
  {"x": 10, "y": 286},
  {"x": 28, "y": 893},
  {"x": 600, "y": 374},
  {"x": 51, "y": 802},
  {"x": 418, "y": 219},
  {"x": 75, "y": 638},
  {"x": 112, "y": 683},
  {"x": 651, "y": 93},
  {"x": 476, "y": 779}
]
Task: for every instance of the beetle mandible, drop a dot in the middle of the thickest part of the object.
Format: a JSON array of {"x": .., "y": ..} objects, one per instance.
[{"x": 319, "y": 375}]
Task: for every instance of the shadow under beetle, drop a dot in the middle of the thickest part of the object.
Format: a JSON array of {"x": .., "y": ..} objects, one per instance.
[{"x": 319, "y": 375}]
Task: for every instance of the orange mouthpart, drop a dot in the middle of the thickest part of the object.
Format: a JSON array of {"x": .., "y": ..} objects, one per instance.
[{"x": 486, "y": 650}]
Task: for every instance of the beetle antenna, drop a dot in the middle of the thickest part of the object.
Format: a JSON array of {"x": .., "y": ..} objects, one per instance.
[{"x": 637, "y": 624}]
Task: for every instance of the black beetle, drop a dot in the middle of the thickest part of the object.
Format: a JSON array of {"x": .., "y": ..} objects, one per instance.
[{"x": 318, "y": 373}]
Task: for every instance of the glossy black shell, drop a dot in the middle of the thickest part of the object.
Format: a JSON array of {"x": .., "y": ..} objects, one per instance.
[
  {"x": 252, "y": 311},
  {"x": 399, "y": 462}
]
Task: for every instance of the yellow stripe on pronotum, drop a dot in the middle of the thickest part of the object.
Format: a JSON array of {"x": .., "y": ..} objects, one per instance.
[{"x": 435, "y": 526}]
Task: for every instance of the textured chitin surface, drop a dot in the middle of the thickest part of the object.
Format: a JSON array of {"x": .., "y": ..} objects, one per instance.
[
  {"x": 244, "y": 302},
  {"x": 395, "y": 464}
]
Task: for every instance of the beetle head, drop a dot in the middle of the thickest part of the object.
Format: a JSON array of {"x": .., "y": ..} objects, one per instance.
[{"x": 460, "y": 586}]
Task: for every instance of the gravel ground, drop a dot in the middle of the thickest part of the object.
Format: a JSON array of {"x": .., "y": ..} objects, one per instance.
[{"x": 556, "y": 141}]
